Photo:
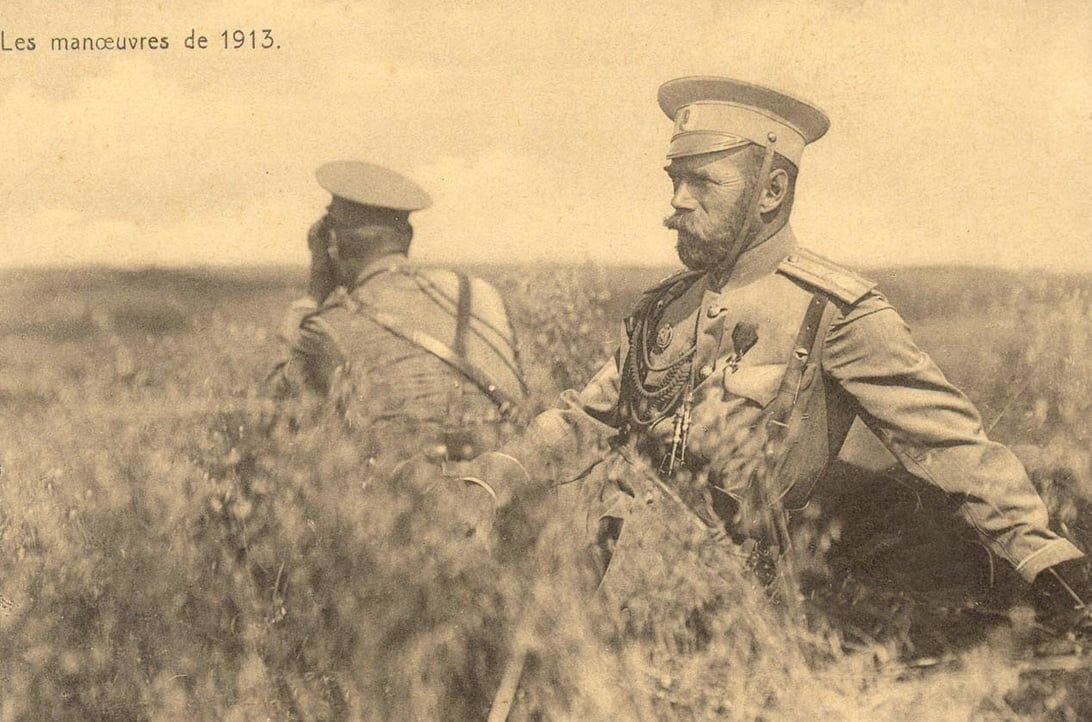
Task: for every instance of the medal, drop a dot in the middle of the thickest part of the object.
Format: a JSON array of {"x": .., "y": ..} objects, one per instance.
[
  {"x": 744, "y": 336},
  {"x": 663, "y": 338}
]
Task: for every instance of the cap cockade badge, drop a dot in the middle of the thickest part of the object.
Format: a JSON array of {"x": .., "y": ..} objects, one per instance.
[{"x": 682, "y": 119}]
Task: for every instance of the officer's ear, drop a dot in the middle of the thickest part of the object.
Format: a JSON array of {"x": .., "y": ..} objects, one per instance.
[{"x": 775, "y": 191}]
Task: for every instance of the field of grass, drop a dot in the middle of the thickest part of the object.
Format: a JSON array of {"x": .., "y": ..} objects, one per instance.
[{"x": 171, "y": 549}]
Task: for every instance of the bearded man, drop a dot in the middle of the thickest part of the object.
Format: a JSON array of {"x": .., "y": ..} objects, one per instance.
[{"x": 746, "y": 370}]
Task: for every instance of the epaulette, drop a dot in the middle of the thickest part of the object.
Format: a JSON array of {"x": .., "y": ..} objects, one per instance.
[{"x": 826, "y": 275}]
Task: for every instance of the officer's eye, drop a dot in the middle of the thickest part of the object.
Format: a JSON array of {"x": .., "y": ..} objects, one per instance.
[
  {"x": 692, "y": 179},
  {"x": 704, "y": 180},
  {"x": 678, "y": 179}
]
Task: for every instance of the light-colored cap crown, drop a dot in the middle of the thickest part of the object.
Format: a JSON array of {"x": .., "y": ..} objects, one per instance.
[
  {"x": 713, "y": 114},
  {"x": 371, "y": 185}
]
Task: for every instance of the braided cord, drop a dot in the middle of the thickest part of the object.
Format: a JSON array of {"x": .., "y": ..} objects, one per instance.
[{"x": 663, "y": 398}]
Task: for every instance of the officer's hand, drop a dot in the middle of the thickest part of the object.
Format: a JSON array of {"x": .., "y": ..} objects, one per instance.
[
  {"x": 1060, "y": 595},
  {"x": 288, "y": 330},
  {"x": 323, "y": 277},
  {"x": 318, "y": 236}
]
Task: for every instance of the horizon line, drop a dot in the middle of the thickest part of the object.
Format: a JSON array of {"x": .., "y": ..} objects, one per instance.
[{"x": 285, "y": 266}]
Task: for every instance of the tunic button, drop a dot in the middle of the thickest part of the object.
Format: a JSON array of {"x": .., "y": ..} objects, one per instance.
[{"x": 706, "y": 371}]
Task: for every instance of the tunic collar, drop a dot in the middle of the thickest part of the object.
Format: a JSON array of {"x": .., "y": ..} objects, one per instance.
[
  {"x": 757, "y": 262},
  {"x": 386, "y": 262}
]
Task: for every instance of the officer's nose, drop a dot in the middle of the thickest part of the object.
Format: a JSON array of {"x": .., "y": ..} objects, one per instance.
[{"x": 681, "y": 200}]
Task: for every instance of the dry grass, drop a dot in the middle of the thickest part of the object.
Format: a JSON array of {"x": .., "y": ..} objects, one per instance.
[{"x": 170, "y": 550}]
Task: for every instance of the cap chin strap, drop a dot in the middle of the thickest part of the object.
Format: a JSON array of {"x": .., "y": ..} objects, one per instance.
[{"x": 752, "y": 220}]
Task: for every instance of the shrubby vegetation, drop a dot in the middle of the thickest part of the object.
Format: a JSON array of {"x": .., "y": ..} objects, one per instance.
[{"x": 171, "y": 548}]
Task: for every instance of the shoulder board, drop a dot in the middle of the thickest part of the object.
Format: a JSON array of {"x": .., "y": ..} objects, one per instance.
[
  {"x": 826, "y": 275},
  {"x": 441, "y": 278}
]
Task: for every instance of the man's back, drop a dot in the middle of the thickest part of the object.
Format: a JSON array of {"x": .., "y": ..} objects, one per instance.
[{"x": 425, "y": 352}]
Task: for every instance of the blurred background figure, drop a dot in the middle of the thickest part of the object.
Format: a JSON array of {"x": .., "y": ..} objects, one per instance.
[{"x": 398, "y": 349}]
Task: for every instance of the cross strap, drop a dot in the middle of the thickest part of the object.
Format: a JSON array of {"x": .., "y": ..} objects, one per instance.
[{"x": 508, "y": 406}]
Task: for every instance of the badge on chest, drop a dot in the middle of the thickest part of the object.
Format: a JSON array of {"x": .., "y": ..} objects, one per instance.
[
  {"x": 663, "y": 338},
  {"x": 744, "y": 336}
]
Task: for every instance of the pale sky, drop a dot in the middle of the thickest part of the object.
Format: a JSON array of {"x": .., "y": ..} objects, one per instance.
[{"x": 960, "y": 131}]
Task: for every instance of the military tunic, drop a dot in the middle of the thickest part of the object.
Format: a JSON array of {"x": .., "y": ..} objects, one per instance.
[
  {"x": 374, "y": 349},
  {"x": 869, "y": 368}
]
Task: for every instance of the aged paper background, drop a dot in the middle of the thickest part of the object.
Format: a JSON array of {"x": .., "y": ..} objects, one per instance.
[
  {"x": 960, "y": 130},
  {"x": 163, "y": 556}
]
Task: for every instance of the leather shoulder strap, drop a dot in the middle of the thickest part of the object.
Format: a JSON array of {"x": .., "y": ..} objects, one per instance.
[
  {"x": 783, "y": 425},
  {"x": 807, "y": 349},
  {"x": 826, "y": 275}
]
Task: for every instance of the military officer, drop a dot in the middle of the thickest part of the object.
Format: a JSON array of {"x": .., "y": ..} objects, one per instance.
[
  {"x": 404, "y": 349},
  {"x": 746, "y": 370}
]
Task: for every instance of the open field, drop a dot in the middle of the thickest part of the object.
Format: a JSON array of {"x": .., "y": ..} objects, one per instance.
[{"x": 169, "y": 551}]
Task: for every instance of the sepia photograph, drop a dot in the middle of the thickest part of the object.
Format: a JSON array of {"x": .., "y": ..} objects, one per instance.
[{"x": 501, "y": 361}]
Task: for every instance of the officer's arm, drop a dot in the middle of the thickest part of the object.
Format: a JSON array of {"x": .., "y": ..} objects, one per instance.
[
  {"x": 560, "y": 445},
  {"x": 936, "y": 433},
  {"x": 311, "y": 353}
]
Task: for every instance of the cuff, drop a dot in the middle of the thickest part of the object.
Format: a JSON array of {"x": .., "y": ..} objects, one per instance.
[{"x": 1054, "y": 552}]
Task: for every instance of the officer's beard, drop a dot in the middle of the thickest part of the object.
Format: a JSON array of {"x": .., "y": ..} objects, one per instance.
[{"x": 703, "y": 245}]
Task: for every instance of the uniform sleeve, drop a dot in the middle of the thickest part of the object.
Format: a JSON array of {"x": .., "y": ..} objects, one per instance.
[
  {"x": 311, "y": 353},
  {"x": 563, "y": 443},
  {"x": 936, "y": 434},
  {"x": 560, "y": 445}
]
